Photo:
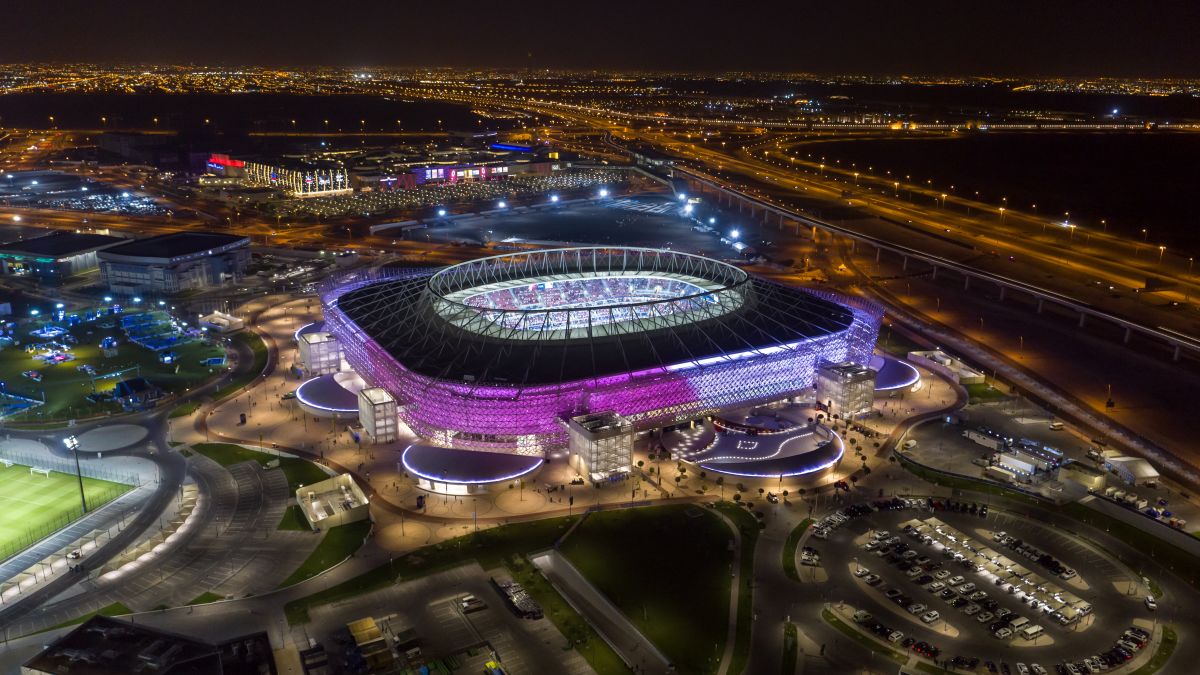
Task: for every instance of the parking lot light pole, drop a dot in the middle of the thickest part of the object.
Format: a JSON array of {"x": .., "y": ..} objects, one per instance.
[{"x": 72, "y": 444}]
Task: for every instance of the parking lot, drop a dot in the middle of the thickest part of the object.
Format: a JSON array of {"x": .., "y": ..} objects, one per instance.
[{"x": 958, "y": 579}]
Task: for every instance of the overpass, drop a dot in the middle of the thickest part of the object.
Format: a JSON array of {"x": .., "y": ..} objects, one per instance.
[{"x": 767, "y": 212}]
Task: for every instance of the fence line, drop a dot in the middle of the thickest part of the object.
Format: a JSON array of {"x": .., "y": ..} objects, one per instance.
[{"x": 68, "y": 467}]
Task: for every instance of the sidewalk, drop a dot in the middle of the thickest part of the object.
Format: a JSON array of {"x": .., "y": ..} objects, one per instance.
[{"x": 617, "y": 630}]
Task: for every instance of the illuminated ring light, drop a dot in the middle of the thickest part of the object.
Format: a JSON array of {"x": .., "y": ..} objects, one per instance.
[
  {"x": 314, "y": 327},
  {"x": 533, "y": 464},
  {"x": 841, "y": 451}
]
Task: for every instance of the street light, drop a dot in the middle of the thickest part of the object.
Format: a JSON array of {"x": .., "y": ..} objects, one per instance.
[{"x": 72, "y": 444}]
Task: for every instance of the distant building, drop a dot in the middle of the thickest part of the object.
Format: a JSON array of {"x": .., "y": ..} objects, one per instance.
[
  {"x": 137, "y": 393},
  {"x": 103, "y": 645},
  {"x": 1133, "y": 470},
  {"x": 172, "y": 263},
  {"x": 846, "y": 389},
  {"x": 55, "y": 256}
]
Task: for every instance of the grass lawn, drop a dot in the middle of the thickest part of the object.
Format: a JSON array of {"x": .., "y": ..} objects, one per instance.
[
  {"x": 337, "y": 545},
  {"x": 1165, "y": 649},
  {"x": 34, "y": 506},
  {"x": 115, "y": 609},
  {"x": 65, "y": 387},
  {"x": 293, "y": 519},
  {"x": 789, "y": 549},
  {"x": 749, "y": 528},
  {"x": 574, "y": 628},
  {"x": 667, "y": 569},
  {"x": 861, "y": 639},
  {"x": 298, "y": 471},
  {"x": 491, "y": 547},
  {"x": 185, "y": 409},
  {"x": 205, "y": 598},
  {"x": 259, "y": 349},
  {"x": 982, "y": 393}
]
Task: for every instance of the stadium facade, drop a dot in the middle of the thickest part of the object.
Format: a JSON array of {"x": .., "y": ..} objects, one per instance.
[{"x": 498, "y": 353}]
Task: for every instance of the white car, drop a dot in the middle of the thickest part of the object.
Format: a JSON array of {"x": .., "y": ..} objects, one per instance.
[
  {"x": 1002, "y": 634},
  {"x": 861, "y": 572},
  {"x": 935, "y": 587},
  {"x": 985, "y": 617},
  {"x": 930, "y": 617},
  {"x": 941, "y": 574},
  {"x": 895, "y": 636},
  {"x": 1037, "y": 670},
  {"x": 1150, "y": 603},
  {"x": 971, "y": 609},
  {"x": 1022, "y": 669},
  {"x": 955, "y": 580},
  {"x": 1067, "y": 574},
  {"x": 966, "y": 589},
  {"x": 916, "y": 608}
]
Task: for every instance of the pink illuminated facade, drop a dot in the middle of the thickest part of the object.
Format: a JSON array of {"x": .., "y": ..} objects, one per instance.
[{"x": 505, "y": 378}]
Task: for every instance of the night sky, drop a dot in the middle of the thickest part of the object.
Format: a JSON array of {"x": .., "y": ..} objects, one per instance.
[{"x": 1017, "y": 37}]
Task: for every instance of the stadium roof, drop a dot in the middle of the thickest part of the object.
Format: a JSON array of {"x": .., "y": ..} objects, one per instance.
[
  {"x": 58, "y": 244},
  {"x": 175, "y": 244},
  {"x": 401, "y": 315}
]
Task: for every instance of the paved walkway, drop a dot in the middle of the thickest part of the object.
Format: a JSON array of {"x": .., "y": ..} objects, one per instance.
[{"x": 617, "y": 630}]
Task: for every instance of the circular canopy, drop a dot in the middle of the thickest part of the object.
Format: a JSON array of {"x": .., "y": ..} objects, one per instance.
[
  {"x": 326, "y": 395},
  {"x": 466, "y": 467},
  {"x": 893, "y": 373}
]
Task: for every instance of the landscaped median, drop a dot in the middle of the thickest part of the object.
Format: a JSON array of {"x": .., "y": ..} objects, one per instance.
[
  {"x": 1166, "y": 647},
  {"x": 789, "y": 548},
  {"x": 791, "y": 649},
  {"x": 298, "y": 471},
  {"x": 338, "y": 544},
  {"x": 258, "y": 350},
  {"x": 748, "y": 526},
  {"x": 861, "y": 638}
]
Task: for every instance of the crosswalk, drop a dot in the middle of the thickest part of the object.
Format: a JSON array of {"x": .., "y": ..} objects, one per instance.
[{"x": 641, "y": 206}]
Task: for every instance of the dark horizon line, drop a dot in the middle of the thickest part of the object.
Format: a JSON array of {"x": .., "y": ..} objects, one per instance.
[{"x": 609, "y": 70}]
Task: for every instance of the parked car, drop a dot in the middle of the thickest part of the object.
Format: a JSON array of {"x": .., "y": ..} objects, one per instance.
[{"x": 930, "y": 616}]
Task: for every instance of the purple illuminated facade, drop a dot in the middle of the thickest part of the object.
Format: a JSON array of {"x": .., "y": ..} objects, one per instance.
[{"x": 728, "y": 364}]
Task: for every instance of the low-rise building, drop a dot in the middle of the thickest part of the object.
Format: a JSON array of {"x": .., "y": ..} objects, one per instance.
[
  {"x": 55, "y": 256},
  {"x": 172, "y": 263}
]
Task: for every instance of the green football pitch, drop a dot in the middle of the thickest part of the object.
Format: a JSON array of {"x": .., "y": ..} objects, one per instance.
[{"x": 33, "y": 506}]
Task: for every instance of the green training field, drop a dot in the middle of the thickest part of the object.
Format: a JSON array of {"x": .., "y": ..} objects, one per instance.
[{"x": 33, "y": 506}]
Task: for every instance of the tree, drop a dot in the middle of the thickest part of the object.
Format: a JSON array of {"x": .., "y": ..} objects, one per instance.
[
  {"x": 785, "y": 494},
  {"x": 641, "y": 463},
  {"x": 853, "y": 479},
  {"x": 703, "y": 475},
  {"x": 737, "y": 497},
  {"x": 760, "y": 491}
]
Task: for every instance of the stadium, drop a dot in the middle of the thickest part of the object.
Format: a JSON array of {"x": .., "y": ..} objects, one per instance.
[{"x": 499, "y": 354}]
